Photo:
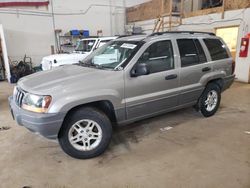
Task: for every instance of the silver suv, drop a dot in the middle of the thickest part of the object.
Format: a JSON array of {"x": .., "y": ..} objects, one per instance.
[{"x": 126, "y": 80}]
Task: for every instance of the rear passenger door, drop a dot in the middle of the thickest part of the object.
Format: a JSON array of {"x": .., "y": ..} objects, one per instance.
[
  {"x": 220, "y": 55},
  {"x": 194, "y": 66}
]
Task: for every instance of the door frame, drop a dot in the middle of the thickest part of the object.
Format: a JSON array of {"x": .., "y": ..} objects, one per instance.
[
  {"x": 229, "y": 26},
  {"x": 5, "y": 54}
]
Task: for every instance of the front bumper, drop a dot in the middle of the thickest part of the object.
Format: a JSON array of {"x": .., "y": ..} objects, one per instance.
[
  {"x": 227, "y": 82},
  {"x": 47, "y": 125}
]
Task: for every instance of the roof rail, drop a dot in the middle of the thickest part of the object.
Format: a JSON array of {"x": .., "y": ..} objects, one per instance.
[
  {"x": 121, "y": 36},
  {"x": 187, "y": 32}
]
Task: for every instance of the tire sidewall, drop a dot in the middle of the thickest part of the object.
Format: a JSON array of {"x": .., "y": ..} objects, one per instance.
[{"x": 91, "y": 114}]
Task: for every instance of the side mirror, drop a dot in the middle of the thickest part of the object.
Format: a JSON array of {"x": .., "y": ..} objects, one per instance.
[{"x": 139, "y": 70}]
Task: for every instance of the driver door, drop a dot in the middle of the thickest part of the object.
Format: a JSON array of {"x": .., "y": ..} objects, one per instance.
[{"x": 157, "y": 91}]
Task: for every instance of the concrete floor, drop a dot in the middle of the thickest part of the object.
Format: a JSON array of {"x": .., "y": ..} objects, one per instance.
[{"x": 196, "y": 152}]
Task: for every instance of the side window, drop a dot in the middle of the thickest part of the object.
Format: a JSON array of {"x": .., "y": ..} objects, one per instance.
[
  {"x": 159, "y": 56},
  {"x": 201, "y": 53},
  {"x": 216, "y": 49},
  {"x": 188, "y": 52},
  {"x": 191, "y": 52}
]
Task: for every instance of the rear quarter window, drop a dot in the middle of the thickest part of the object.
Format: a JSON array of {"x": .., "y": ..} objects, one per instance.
[{"x": 216, "y": 49}]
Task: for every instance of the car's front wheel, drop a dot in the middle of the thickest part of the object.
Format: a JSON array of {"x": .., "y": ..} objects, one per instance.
[{"x": 86, "y": 133}]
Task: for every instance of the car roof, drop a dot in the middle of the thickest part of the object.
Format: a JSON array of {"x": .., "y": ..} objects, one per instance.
[{"x": 171, "y": 34}]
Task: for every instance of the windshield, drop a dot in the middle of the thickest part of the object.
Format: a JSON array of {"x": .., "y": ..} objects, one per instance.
[
  {"x": 85, "y": 45},
  {"x": 112, "y": 54}
]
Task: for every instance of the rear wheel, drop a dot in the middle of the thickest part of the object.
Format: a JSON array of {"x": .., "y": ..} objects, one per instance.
[
  {"x": 210, "y": 100},
  {"x": 86, "y": 133}
]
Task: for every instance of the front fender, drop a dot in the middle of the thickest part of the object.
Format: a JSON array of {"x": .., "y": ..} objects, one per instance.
[{"x": 65, "y": 103}]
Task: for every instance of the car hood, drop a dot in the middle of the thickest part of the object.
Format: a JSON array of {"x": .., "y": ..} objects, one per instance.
[
  {"x": 64, "y": 57},
  {"x": 64, "y": 78}
]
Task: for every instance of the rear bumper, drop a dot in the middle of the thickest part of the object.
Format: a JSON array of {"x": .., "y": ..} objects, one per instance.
[
  {"x": 47, "y": 125},
  {"x": 227, "y": 82}
]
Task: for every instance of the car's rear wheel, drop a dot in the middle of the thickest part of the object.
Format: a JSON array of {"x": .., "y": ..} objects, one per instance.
[
  {"x": 210, "y": 100},
  {"x": 85, "y": 133}
]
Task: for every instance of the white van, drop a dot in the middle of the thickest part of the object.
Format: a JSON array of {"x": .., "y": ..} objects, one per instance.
[{"x": 83, "y": 49}]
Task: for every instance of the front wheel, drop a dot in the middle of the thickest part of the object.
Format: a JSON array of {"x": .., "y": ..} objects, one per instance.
[
  {"x": 86, "y": 133},
  {"x": 210, "y": 100}
]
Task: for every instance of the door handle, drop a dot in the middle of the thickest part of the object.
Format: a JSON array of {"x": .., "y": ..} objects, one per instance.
[
  {"x": 206, "y": 69},
  {"x": 170, "y": 77}
]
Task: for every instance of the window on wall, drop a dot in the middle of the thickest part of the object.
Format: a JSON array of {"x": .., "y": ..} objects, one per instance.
[
  {"x": 191, "y": 52},
  {"x": 159, "y": 56},
  {"x": 216, "y": 49}
]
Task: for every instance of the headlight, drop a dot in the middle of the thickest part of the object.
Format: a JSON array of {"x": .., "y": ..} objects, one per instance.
[{"x": 36, "y": 103}]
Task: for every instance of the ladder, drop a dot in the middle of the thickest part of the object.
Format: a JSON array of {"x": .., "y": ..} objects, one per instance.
[{"x": 170, "y": 18}]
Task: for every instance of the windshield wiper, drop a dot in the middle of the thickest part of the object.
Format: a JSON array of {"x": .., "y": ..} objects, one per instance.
[
  {"x": 82, "y": 63},
  {"x": 97, "y": 66}
]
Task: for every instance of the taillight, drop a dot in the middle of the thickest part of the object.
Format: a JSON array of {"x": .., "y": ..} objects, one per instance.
[{"x": 233, "y": 67}]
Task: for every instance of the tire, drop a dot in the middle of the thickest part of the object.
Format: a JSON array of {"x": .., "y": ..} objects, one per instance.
[
  {"x": 209, "y": 106},
  {"x": 85, "y": 133}
]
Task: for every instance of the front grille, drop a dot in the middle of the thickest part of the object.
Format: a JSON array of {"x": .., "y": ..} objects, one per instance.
[{"x": 19, "y": 96}]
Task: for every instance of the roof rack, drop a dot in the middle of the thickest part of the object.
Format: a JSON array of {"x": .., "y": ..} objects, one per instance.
[
  {"x": 187, "y": 32},
  {"x": 121, "y": 36}
]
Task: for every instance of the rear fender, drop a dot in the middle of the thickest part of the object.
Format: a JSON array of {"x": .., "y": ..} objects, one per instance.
[{"x": 212, "y": 76}]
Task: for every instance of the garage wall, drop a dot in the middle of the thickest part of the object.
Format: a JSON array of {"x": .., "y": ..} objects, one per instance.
[
  {"x": 30, "y": 30},
  {"x": 130, "y": 3},
  {"x": 31, "y": 35},
  {"x": 202, "y": 23}
]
